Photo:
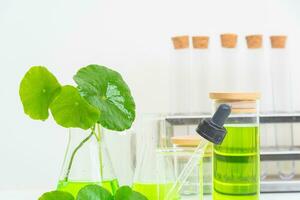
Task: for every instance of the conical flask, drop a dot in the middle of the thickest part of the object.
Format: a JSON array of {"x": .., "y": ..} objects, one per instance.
[{"x": 86, "y": 162}]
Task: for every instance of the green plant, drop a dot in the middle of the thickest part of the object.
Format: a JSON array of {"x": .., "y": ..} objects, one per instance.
[
  {"x": 101, "y": 98},
  {"x": 95, "y": 192}
]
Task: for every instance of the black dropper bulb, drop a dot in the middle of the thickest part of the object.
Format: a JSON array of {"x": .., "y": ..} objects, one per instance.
[{"x": 213, "y": 129}]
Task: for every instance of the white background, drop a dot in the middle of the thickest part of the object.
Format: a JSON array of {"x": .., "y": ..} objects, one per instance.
[{"x": 131, "y": 36}]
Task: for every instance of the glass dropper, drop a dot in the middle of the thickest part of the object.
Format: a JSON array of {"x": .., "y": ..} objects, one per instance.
[{"x": 211, "y": 130}]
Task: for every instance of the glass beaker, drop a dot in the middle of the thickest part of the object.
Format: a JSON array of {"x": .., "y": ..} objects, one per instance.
[
  {"x": 236, "y": 161},
  {"x": 86, "y": 162}
]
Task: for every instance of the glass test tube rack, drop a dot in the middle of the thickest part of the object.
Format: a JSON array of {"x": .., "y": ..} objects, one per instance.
[{"x": 272, "y": 183}]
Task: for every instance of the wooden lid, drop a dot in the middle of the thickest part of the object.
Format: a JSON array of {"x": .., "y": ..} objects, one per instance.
[
  {"x": 181, "y": 42},
  {"x": 234, "y": 96},
  {"x": 278, "y": 41},
  {"x": 254, "y": 41},
  {"x": 200, "y": 42},
  {"x": 229, "y": 40},
  {"x": 239, "y": 102},
  {"x": 186, "y": 141}
]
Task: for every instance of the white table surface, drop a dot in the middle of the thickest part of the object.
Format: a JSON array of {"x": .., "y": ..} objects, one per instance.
[{"x": 34, "y": 194}]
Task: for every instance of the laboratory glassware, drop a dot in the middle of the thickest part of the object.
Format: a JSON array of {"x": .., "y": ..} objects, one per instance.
[
  {"x": 257, "y": 78},
  {"x": 227, "y": 76},
  {"x": 150, "y": 135},
  {"x": 200, "y": 76},
  {"x": 87, "y": 161},
  {"x": 180, "y": 75},
  {"x": 236, "y": 161},
  {"x": 282, "y": 95},
  {"x": 211, "y": 130}
]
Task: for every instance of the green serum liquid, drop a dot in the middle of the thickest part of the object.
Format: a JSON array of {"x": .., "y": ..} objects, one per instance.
[
  {"x": 236, "y": 164},
  {"x": 73, "y": 187},
  {"x": 154, "y": 191}
]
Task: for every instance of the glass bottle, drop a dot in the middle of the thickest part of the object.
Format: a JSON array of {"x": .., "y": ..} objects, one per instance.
[
  {"x": 236, "y": 160},
  {"x": 86, "y": 162},
  {"x": 282, "y": 91}
]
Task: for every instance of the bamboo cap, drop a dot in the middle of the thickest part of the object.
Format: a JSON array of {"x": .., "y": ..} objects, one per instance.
[
  {"x": 239, "y": 102},
  {"x": 234, "y": 96},
  {"x": 187, "y": 140},
  {"x": 200, "y": 42},
  {"x": 181, "y": 42},
  {"x": 278, "y": 41},
  {"x": 254, "y": 41},
  {"x": 229, "y": 40}
]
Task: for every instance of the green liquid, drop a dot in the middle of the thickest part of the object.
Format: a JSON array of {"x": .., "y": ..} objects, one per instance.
[
  {"x": 73, "y": 187},
  {"x": 154, "y": 191},
  {"x": 236, "y": 165}
]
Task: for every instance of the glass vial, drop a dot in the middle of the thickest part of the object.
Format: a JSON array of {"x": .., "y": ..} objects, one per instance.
[
  {"x": 180, "y": 76},
  {"x": 228, "y": 73},
  {"x": 236, "y": 161},
  {"x": 86, "y": 162},
  {"x": 282, "y": 91},
  {"x": 200, "y": 76},
  {"x": 257, "y": 78}
]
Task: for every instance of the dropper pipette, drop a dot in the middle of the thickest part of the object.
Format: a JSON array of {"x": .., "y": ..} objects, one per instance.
[{"x": 211, "y": 130}]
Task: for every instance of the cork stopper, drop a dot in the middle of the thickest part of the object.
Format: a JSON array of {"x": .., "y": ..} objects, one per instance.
[
  {"x": 229, "y": 40},
  {"x": 254, "y": 41},
  {"x": 278, "y": 41},
  {"x": 181, "y": 42},
  {"x": 200, "y": 42}
]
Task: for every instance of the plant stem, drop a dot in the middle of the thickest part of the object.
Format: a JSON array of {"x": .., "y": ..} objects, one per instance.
[
  {"x": 99, "y": 138},
  {"x": 75, "y": 151}
]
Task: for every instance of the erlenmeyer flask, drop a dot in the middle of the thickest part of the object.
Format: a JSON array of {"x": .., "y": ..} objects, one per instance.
[
  {"x": 86, "y": 162},
  {"x": 149, "y": 139}
]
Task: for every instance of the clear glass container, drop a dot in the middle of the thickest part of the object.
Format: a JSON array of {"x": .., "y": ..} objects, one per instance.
[
  {"x": 86, "y": 162},
  {"x": 180, "y": 64},
  {"x": 200, "y": 76},
  {"x": 148, "y": 140},
  {"x": 160, "y": 160},
  {"x": 228, "y": 73},
  {"x": 236, "y": 161},
  {"x": 282, "y": 95}
]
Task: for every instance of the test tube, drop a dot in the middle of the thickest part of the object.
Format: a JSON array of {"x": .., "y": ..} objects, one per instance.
[
  {"x": 200, "y": 75},
  {"x": 227, "y": 76},
  {"x": 257, "y": 77},
  {"x": 180, "y": 75},
  {"x": 281, "y": 84}
]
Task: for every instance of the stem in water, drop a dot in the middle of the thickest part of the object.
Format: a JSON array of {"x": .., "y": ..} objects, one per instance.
[{"x": 75, "y": 151}]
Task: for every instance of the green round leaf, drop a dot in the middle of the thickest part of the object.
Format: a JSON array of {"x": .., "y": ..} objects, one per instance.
[
  {"x": 69, "y": 109},
  {"x": 126, "y": 193},
  {"x": 105, "y": 89},
  {"x": 56, "y": 195},
  {"x": 94, "y": 192},
  {"x": 37, "y": 90}
]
